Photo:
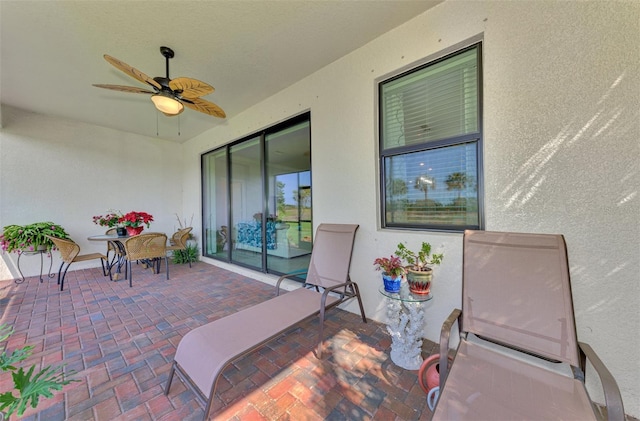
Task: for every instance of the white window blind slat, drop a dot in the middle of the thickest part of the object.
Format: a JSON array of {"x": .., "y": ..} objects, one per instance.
[{"x": 437, "y": 102}]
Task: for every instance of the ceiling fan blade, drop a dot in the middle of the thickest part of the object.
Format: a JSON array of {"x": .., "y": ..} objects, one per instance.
[
  {"x": 203, "y": 106},
  {"x": 191, "y": 88},
  {"x": 131, "y": 71},
  {"x": 125, "y": 89}
]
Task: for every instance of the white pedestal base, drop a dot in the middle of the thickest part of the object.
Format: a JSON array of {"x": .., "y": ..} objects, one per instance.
[{"x": 406, "y": 327}]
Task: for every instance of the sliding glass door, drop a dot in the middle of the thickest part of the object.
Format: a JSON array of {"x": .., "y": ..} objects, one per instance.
[
  {"x": 289, "y": 192},
  {"x": 257, "y": 207},
  {"x": 215, "y": 193},
  {"x": 246, "y": 202}
]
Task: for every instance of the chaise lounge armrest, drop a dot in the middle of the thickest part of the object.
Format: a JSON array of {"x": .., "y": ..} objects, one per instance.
[
  {"x": 287, "y": 276},
  {"x": 445, "y": 333},
  {"x": 613, "y": 399}
]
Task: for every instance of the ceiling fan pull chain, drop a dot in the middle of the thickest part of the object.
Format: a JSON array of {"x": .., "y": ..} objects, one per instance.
[{"x": 157, "y": 134}]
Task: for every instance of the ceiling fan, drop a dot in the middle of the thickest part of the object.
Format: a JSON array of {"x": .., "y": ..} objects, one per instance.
[{"x": 170, "y": 96}]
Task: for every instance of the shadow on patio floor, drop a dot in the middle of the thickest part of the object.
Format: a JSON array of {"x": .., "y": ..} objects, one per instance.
[{"x": 121, "y": 342}]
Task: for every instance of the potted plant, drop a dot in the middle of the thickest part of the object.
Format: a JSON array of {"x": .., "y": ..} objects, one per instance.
[
  {"x": 419, "y": 274},
  {"x": 134, "y": 221},
  {"x": 392, "y": 271},
  {"x": 29, "y": 384},
  {"x": 110, "y": 220},
  {"x": 29, "y": 238}
]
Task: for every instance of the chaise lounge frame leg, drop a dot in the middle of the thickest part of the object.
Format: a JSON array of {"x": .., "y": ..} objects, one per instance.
[
  {"x": 357, "y": 294},
  {"x": 170, "y": 379},
  {"x": 189, "y": 383}
]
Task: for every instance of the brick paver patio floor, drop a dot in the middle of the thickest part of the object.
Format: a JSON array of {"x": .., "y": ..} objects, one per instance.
[{"x": 121, "y": 342}]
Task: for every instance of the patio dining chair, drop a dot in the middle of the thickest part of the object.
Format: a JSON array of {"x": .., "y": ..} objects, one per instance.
[
  {"x": 179, "y": 241},
  {"x": 70, "y": 253},
  {"x": 518, "y": 356},
  {"x": 150, "y": 248}
]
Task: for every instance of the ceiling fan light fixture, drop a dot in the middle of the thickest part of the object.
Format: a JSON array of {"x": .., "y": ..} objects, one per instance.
[{"x": 166, "y": 104}]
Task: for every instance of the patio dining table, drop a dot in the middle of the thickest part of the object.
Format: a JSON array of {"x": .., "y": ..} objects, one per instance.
[{"x": 119, "y": 259}]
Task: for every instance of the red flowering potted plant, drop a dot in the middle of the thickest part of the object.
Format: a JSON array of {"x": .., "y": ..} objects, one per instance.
[
  {"x": 392, "y": 271},
  {"x": 134, "y": 221}
]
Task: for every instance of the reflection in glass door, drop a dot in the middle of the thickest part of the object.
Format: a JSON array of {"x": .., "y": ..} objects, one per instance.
[
  {"x": 215, "y": 216},
  {"x": 246, "y": 203},
  {"x": 288, "y": 162}
]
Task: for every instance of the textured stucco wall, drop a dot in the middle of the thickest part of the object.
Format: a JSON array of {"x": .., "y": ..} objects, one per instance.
[
  {"x": 67, "y": 172},
  {"x": 561, "y": 152}
]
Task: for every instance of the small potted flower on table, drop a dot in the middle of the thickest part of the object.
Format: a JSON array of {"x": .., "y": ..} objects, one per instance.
[
  {"x": 110, "y": 220},
  {"x": 392, "y": 272}
]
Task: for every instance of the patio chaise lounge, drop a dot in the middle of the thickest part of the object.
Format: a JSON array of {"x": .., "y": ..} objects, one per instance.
[
  {"x": 204, "y": 352},
  {"x": 518, "y": 355}
]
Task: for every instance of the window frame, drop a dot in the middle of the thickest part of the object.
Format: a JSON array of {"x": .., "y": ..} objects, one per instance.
[{"x": 475, "y": 137}]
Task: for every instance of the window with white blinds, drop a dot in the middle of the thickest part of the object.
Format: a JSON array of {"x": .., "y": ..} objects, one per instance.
[{"x": 430, "y": 145}]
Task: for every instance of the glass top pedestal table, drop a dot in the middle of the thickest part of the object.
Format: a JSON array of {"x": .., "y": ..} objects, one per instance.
[
  {"x": 117, "y": 244},
  {"x": 406, "y": 317}
]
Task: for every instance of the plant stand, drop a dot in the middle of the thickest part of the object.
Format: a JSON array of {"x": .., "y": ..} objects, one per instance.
[
  {"x": 33, "y": 253},
  {"x": 406, "y": 318}
]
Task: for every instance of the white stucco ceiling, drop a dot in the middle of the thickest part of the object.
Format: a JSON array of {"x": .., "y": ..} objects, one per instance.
[{"x": 51, "y": 53}]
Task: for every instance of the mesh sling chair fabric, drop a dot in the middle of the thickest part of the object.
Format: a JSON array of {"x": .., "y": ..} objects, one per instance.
[
  {"x": 150, "y": 248},
  {"x": 70, "y": 253},
  {"x": 179, "y": 240},
  {"x": 204, "y": 352},
  {"x": 518, "y": 355}
]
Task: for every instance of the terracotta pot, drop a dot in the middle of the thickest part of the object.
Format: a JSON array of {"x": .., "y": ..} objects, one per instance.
[
  {"x": 429, "y": 373},
  {"x": 419, "y": 281},
  {"x": 134, "y": 230}
]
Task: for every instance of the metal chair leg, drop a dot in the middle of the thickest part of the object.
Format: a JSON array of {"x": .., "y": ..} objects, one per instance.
[
  {"x": 63, "y": 276},
  {"x": 60, "y": 272},
  {"x": 130, "y": 275}
]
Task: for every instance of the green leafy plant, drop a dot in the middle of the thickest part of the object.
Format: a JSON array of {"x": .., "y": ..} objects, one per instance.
[
  {"x": 189, "y": 254},
  {"x": 419, "y": 261},
  {"x": 29, "y": 384},
  {"x": 19, "y": 238}
]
